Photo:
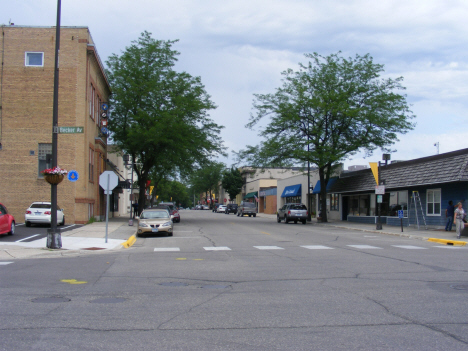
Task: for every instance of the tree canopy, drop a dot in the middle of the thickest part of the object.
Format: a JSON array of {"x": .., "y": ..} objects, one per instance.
[
  {"x": 232, "y": 182},
  {"x": 328, "y": 110},
  {"x": 158, "y": 115}
]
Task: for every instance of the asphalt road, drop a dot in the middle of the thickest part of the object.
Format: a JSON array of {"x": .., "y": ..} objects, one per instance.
[
  {"x": 229, "y": 283},
  {"x": 35, "y": 232}
]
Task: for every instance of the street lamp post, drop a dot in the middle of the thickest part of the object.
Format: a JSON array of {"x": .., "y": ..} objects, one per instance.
[{"x": 54, "y": 239}]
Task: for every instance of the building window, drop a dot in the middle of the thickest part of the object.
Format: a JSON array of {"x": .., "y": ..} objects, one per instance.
[
  {"x": 92, "y": 96},
  {"x": 44, "y": 158},
  {"x": 35, "y": 59},
  {"x": 91, "y": 165},
  {"x": 293, "y": 200},
  {"x": 433, "y": 202},
  {"x": 90, "y": 211},
  {"x": 334, "y": 202}
]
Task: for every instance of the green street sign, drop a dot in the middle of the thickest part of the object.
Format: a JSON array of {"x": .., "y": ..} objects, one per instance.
[{"x": 70, "y": 130}]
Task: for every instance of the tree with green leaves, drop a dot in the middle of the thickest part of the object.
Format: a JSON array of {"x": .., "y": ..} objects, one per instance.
[
  {"x": 207, "y": 179},
  {"x": 158, "y": 115},
  {"x": 328, "y": 110},
  {"x": 232, "y": 182}
]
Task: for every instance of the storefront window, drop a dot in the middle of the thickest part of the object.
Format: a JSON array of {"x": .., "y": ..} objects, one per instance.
[
  {"x": 334, "y": 202},
  {"x": 359, "y": 205},
  {"x": 293, "y": 199},
  {"x": 393, "y": 202}
]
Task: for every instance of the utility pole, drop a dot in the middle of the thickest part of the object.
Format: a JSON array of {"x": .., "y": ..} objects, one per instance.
[{"x": 54, "y": 238}]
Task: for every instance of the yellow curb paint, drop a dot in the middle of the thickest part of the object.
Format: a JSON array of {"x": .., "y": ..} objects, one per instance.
[
  {"x": 181, "y": 259},
  {"x": 129, "y": 242},
  {"x": 73, "y": 281},
  {"x": 265, "y": 233},
  {"x": 447, "y": 242}
]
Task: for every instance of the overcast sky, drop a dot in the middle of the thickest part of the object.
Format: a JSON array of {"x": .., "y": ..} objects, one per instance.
[{"x": 240, "y": 47}]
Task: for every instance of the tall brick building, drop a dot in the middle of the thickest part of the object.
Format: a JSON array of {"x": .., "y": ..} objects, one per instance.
[{"x": 26, "y": 102}]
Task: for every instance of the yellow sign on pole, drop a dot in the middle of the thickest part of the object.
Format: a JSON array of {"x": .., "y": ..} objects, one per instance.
[
  {"x": 375, "y": 170},
  {"x": 151, "y": 189}
]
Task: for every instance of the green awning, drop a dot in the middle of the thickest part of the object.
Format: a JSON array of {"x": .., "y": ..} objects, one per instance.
[{"x": 251, "y": 195}]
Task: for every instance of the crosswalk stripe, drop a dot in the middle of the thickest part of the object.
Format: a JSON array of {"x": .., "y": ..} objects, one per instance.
[
  {"x": 269, "y": 248},
  {"x": 217, "y": 248},
  {"x": 410, "y": 247},
  {"x": 166, "y": 249},
  {"x": 364, "y": 247},
  {"x": 317, "y": 247},
  {"x": 4, "y": 263}
]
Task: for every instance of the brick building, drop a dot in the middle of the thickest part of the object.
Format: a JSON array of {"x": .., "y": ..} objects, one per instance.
[{"x": 26, "y": 102}]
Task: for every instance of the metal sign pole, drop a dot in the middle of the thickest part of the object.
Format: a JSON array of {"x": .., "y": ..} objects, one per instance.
[{"x": 107, "y": 205}]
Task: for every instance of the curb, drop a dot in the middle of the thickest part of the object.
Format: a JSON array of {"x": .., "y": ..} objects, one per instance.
[
  {"x": 448, "y": 242},
  {"x": 129, "y": 242}
]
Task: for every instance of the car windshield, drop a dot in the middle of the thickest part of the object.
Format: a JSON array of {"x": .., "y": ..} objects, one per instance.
[
  {"x": 154, "y": 214},
  {"x": 40, "y": 206},
  {"x": 298, "y": 207},
  {"x": 249, "y": 204}
]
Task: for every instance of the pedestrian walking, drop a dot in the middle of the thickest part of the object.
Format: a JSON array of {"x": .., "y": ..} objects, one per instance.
[
  {"x": 458, "y": 219},
  {"x": 449, "y": 212}
]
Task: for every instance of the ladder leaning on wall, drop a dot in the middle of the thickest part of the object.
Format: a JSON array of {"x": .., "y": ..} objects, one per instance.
[{"x": 416, "y": 201}]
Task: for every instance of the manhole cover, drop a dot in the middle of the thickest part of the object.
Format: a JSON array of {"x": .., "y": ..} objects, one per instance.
[
  {"x": 53, "y": 299},
  {"x": 215, "y": 287},
  {"x": 459, "y": 287},
  {"x": 174, "y": 284},
  {"x": 93, "y": 248},
  {"x": 109, "y": 300}
]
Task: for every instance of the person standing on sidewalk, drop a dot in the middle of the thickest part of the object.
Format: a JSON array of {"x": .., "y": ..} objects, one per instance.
[
  {"x": 449, "y": 212},
  {"x": 458, "y": 219}
]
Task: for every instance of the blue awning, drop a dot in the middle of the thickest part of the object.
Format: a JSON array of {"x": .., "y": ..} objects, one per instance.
[
  {"x": 317, "y": 187},
  {"x": 292, "y": 190}
]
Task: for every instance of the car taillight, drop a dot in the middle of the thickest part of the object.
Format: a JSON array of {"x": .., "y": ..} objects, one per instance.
[
  {"x": 307, "y": 213},
  {"x": 28, "y": 212},
  {"x": 289, "y": 212},
  {"x": 47, "y": 212}
]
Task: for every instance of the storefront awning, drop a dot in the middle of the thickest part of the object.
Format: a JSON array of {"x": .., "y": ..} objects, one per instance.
[
  {"x": 251, "y": 195},
  {"x": 317, "y": 187},
  {"x": 292, "y": 190}
]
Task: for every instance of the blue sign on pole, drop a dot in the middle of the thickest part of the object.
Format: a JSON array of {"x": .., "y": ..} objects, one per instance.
[
  {"x": 400, "y": 214},
  {"x": 73, "y": 176},
  {"x": 104, "y": 107},
  {"x": 104, "y": 130}
]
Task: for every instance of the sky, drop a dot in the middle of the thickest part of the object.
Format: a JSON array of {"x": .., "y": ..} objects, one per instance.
[{"x": 239, "y": 48}]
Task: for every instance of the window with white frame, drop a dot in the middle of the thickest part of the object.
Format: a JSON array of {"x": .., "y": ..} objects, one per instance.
[
  {"x": 433, "y": 197},
  {"x": 44, "y": 158},
  {"x": 35, "y": 59},
  {"x": 334, "y": 202}
]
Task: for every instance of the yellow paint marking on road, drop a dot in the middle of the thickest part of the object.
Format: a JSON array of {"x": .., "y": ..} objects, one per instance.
[
  {"x": 181, "y": 259},
  {"x": 73, "y": 281},
  {"x": 198, "y": 259},
  {"x": 265, "y": 233}
]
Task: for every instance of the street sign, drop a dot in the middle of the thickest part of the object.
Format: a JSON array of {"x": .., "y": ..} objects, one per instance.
[
  {"x": 104, "y": 130},
  {"x": 400, "y": 214},
  {"x": 104, "y": 107},
  {"x": 70, "y": 130},
  {"x": 104, "y": 115},
  {"x": 108, "y": 181},
  {"x": 73, "y": 176},
  {"x": 379, "y": 199},
  {"x": 225, "y": 200},
  {"x": 380, "y": 189}
]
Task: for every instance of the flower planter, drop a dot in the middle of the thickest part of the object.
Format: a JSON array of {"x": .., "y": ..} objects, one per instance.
[{"x": 53, "y": 178}]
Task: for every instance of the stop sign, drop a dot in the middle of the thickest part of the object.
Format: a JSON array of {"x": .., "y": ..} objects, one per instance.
[
  {"x": 108, "y": 180},
  {"x": 225, "y": 200}
]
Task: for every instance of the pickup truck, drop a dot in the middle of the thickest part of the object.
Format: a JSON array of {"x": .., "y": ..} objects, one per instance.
[{"x": 247, "y": 208}]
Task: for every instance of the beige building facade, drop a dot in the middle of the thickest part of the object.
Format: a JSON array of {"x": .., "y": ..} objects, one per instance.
[{"x": 26, "y": 103}]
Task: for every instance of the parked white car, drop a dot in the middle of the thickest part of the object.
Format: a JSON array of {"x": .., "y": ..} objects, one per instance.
[
  {"x": 221, "y": 209},
  {"x": 40, "y": 213}
]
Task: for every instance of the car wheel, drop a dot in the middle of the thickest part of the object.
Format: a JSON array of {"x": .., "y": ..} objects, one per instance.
[
  {"x": 63, "y": 221},
  {"x": 278, "y": 219},
  {"x": 28, "y": 224},
  {"x": 304, "y": 221},
  {"x": 295, "y": 222},
  {"x": 169, "y": 234},
  {"x": 255, "y": 215},
  {"x": 12, "y": 229},
  {"x": 286, "y": 220}
]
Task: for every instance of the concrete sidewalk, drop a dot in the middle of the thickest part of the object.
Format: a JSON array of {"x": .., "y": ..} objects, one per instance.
[
  {"x": 85, "y": 239},
  {"x": 408, "y": 232}
]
